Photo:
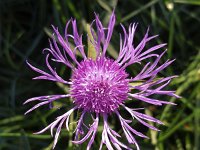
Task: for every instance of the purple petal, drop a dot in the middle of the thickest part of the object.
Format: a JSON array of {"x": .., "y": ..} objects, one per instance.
[
  {"x": 92, "y": 131},
  {"x": 109, "y": 32},
  {"x": 59, "y": 121},
  {"x": 36, "y": 106},
  {"x": 146, "y": 117}
]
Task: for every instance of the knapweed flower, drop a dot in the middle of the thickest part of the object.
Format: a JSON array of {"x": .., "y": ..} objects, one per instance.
[{"x": 101, "y": 86}]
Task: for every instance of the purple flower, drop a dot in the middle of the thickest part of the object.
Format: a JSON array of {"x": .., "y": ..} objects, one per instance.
[{"x": 100, "y": 87}]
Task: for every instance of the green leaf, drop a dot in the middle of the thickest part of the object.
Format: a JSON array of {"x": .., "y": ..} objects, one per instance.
[
  {"x": 135, "y": 12},
  {"x": 193, "y": 2},
  {"x": 91, "y": 49},
  {"x": 11, "y": 120}
]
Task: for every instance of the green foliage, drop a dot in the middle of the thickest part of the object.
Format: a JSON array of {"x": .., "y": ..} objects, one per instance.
[{"x": 24, "y": 29}]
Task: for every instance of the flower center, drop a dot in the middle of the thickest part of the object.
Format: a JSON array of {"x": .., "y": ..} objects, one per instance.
[{"x": 99, "y": 85}]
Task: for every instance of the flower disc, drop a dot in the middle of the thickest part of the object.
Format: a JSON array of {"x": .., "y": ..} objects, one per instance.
[{"x": 99, "y": 85}]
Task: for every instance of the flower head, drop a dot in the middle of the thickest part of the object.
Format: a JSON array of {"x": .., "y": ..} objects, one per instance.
[{"x": 101, "y": 86}]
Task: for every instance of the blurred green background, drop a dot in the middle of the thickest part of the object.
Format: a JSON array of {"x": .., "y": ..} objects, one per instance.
[{"x": 25, "y": 26}]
